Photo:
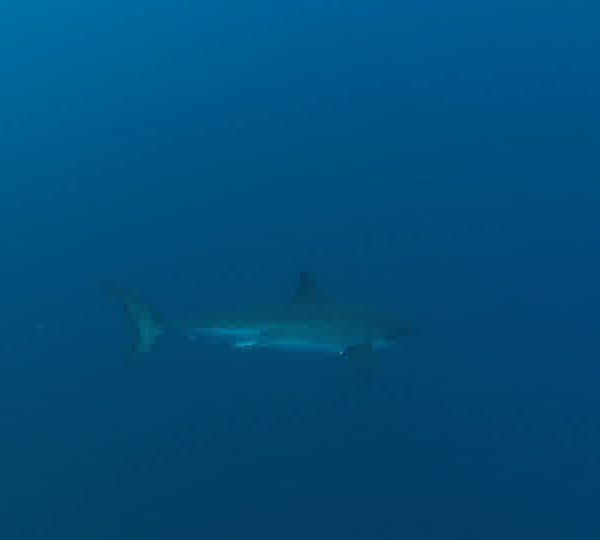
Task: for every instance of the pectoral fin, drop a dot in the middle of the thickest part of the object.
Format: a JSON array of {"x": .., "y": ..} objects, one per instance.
[{"x": 366, "y": 365}]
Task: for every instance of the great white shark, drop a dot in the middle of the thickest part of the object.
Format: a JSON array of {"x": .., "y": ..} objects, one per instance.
[{"x": 309, "y": 322}]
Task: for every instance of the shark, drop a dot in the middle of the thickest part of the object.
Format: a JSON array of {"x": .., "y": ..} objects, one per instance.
[{"x": 309, "y": 322}]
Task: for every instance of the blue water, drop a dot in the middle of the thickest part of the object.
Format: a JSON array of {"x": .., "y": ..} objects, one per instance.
[{"x": 434, "y": 160}]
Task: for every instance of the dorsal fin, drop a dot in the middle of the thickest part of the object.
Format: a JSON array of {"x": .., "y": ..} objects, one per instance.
[{"x": 307, "y": 291}]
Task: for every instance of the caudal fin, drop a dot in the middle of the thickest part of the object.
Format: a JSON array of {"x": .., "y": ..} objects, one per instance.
[{"x": 148, "y": 325}]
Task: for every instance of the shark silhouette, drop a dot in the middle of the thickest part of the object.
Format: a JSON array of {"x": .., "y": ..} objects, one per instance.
[{"x": 310, "y": 322}]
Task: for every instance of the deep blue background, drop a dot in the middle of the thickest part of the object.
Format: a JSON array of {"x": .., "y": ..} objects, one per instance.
[{"x": 438, "y": 160}]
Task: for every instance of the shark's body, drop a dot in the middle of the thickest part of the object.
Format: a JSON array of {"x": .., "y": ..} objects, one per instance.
[
  {"x": 308, "y": 323},
  {"x": 317, "y": 328}
]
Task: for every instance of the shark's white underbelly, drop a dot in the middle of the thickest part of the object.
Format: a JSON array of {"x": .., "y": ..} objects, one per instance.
[{"x": 250, "y": 338}]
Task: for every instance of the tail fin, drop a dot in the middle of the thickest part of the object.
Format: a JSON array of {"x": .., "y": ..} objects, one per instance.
[{"x": 148, "y": 325}]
